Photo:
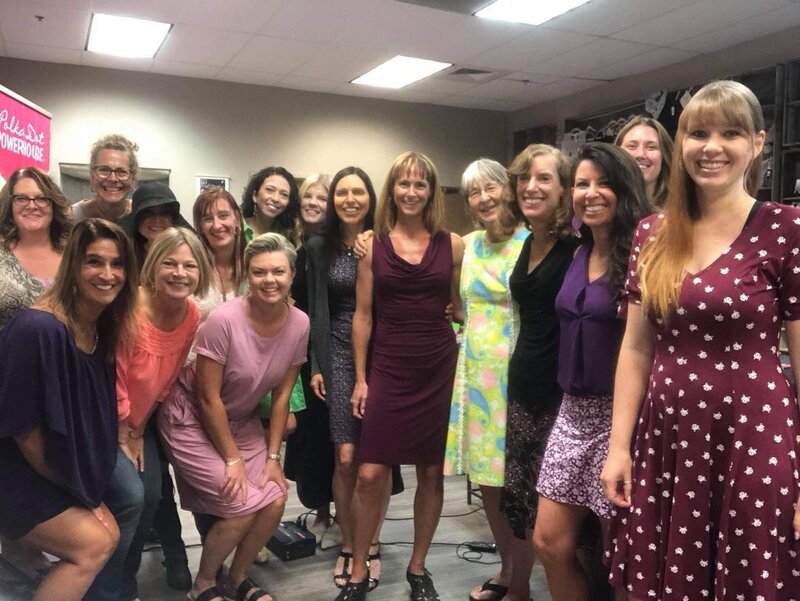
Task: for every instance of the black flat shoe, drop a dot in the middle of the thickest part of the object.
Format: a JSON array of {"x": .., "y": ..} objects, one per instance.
[{"x": 422, "y": 588}]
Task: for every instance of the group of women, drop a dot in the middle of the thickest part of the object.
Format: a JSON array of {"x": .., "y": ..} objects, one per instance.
[{"x": 619, "y": 358}]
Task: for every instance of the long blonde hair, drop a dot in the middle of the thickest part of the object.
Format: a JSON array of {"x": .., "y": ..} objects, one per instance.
[
  {"x": 662, "y": 261},
  {"x": 432, "y": 214}
]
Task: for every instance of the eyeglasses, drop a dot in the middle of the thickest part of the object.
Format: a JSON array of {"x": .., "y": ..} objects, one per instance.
[
  {"x": 475, "y": 193},
  {"x": 39, "y": 202},
  {"x": 104, "y": 172}
]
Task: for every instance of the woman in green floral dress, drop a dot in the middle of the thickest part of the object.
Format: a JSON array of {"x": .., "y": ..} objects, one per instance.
[{"x": 477, "y": 432}]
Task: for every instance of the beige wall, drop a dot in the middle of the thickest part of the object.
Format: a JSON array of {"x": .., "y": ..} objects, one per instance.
[
  {"x": 200, "y": 127},
  {"x": 742, "y": 58}
]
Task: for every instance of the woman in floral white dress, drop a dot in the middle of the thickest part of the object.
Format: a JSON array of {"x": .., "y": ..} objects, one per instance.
[{"x": 705, "y": 507}]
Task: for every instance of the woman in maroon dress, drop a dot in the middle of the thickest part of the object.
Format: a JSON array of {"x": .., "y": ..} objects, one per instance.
[
  {"x": 410, "y": 273},
  {"x": 706, "y": 503}
]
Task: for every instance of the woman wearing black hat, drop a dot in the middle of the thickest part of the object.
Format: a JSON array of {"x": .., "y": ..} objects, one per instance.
[{"x": 154, "y": 209}]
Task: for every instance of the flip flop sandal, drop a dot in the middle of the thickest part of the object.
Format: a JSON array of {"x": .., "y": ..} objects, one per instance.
[
  {"x": 341, "y": 579},
  {"x": 250, "y": 591},
  {"x": 498, "y": 591}
]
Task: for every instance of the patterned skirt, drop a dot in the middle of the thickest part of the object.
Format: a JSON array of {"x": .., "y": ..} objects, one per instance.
[{"x": 576, "y": 453}]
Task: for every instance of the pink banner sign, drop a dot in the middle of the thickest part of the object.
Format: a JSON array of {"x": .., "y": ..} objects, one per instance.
[{"x": 24, "y": 134}]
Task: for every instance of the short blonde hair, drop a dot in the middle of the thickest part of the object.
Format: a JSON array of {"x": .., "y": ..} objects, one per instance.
[
  {"x": 432, "y": 214},
  {"x": 165, "y": 243},
  {"x": 270, "y": 242}
]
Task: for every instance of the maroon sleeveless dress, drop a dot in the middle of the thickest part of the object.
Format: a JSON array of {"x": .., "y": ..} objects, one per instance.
[{"x": 413, "y": 356}]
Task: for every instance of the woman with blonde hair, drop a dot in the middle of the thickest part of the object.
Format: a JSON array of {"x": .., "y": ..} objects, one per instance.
[
  {"x": 646, "y": 140},
  {"x": 176, "y": 267},
  {"x": 703, "y": 460},
  {"x": 58, "y": 419},
  {"x": 409, "y": 275}
]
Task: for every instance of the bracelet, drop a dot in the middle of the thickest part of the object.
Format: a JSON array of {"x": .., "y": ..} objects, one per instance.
[
  {"x": 275, "y": 456},
  {"x": 233, "y": 462},
  {"x": 132, "y": 434}
]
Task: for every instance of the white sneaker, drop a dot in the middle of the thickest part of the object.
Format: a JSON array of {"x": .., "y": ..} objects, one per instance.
[
  {"x": 262, "y": 557},
  {"x": 332, "y": 537},
  {"x": 318, "y": 530}
]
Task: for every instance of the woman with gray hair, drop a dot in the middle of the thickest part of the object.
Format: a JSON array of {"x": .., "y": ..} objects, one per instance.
[
  {"x": 477, "y": 431},
  {"x": 210, "y": 425}
]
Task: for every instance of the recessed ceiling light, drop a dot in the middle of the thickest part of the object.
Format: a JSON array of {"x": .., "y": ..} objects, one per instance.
[
  {"x": 527, "y": 11},
  {"x": 125, "y": 36},
  {"x": 400, "y": 71}
]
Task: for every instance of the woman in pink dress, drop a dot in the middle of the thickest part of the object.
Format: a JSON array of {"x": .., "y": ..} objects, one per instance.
[
  {"x": 703, "y": 458},
  {"x": 211, "y": 427}
]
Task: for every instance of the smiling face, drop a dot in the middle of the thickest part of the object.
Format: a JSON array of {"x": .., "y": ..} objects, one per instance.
[
  {"x": 28, "y": 217},
  {"x": 154, "y": 220},
  {"x": 351, "y": 200},
  {"x": 178, "y": 273},
  {"x": 272, "y": 197},
  {"x": 314, "y": 204},
  {"x": 219, "y": 225},
  {"x": 111, "y": 189},
  {"x": 102, "y": 275},
  {"x": 411, "y": 192},
  {"x": 270, "y": 277},
  {"x": 539, "y": 190},
  {"x": 593, "y": 200},
  {"x": 485, "y": 200},
  {"x": 716, "y": 155},
  {"x": 643, "y": 144}
]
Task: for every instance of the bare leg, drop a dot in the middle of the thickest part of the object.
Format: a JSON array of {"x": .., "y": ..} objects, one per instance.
[
  {"x": 521, "y": 551},
  {"x": 555, "y": 540},
  {"x": 367, "y": 505},
  {"x": 427, "y": 510},
  {"x": 502, "y": 537},
  {"x": 23, "y": 555},
  {"x": 265, "y": 522},
  {"x": 345, "y": 475},
  {"x": 82, "y": 543},
  {"x": 223, "y": 538},
  {"x": 375, "y": 545}
]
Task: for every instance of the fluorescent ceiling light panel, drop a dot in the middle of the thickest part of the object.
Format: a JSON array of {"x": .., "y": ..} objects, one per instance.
[
  {"x": 400, "y": 71},
  {"x": 125, "y": 36},
  {"x": 532, "y": 12}
]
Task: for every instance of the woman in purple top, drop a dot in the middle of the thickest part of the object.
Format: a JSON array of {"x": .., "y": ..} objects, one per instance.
[{"x": 608, "y": 200}]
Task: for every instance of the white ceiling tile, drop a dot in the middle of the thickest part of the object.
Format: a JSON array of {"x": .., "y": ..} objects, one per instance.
[
  {"x": 245, "y": 76},
  {"x": 441, "y": 85},
  {"x": 756, "y": 26},
  {"x": 233, "y": 15},
  {"x": 468, "y": 37},
  {"x": 499, "y": 88},
  {"x": 695, "y": 19},
  {"x": 408, "y": 95},
  {"x": 91, "y": 59},
  {"x": 342, "y": 63},
  {"x": 47, "y": 54},
  {"x": 192, "y": 44},
  {"x": 467, "y": 102},
  {"x": 603, "y": 17},
  {"x": 565, "y": 87},
  {"x": 351, "y": 89},
  {"x": 329, "y": 20},
  {"x": 584, "y": 60},
  {"x": 526, "y": 50},
  {"x": 647, "y": 61},
  {"x": 313, "y": 84},
  {"x": 182, "y": 69},
  {"x": 533, "y": 77},
  {"x": 166, "y": 11},
  {"x": 275, "y": 55},
  {"x": 60, "y": 28}
]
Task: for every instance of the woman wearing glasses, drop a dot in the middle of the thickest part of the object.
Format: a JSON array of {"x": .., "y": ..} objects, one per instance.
[
  {"x": 34, "y": 225},
  {"x": 112, "y": 172}
]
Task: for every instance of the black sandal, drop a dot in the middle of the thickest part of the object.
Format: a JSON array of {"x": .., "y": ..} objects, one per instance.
[
  {"x": 354, "y": 591},
  {"x": 498, "y": 591},
  {"x": 250, "y": 591},
  {"x": 374, "y": 582},
  {"x": 422, "y": 588},
  {"x": 207, "y": 595},
  {"x": 341, "y": 579}
]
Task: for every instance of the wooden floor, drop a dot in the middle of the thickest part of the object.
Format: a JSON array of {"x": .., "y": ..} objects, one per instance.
[{"x": 310, "y": 579}]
